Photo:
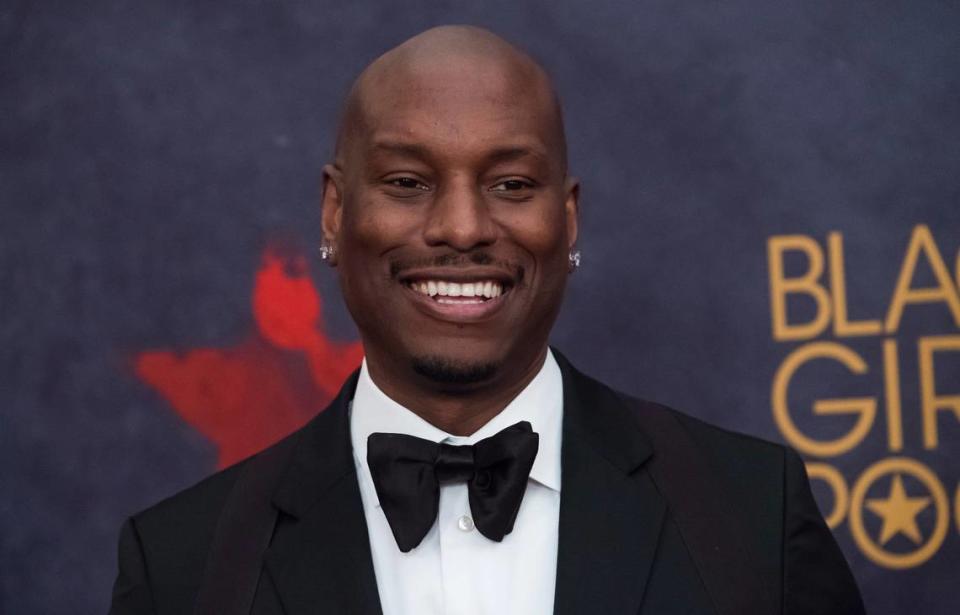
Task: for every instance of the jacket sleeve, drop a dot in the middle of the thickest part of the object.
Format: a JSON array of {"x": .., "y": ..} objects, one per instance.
[
  {"x": 817, "y": 578},
  {"x": 131, "y": 591}
]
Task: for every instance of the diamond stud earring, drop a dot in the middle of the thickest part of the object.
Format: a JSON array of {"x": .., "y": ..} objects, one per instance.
[
  {"x": 326, "y": 254},
  {"x": 574, "y": 259}
]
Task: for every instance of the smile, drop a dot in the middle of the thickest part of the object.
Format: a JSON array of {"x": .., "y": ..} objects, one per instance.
[
  {"x": 449, "y": 292},
  {"x": 460, "y": 300}
]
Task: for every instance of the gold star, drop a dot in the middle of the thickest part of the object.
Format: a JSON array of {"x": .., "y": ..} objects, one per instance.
[{"x": 899, "y": 512}]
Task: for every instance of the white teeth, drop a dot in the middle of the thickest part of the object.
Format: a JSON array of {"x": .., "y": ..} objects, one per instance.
[{"x": 487, "y": 289}]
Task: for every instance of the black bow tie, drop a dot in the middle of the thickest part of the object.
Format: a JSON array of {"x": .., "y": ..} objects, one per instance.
[{"x": 407, "y": 472}]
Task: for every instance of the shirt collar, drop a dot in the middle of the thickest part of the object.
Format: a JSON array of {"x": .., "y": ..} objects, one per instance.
[{"x": 540, "y": 403}]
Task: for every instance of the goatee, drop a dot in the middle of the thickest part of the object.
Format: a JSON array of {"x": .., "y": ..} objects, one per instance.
[{"x": 454, "y": 372}]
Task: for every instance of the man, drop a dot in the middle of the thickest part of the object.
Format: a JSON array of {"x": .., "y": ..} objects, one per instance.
[{"x": 467, "y": 468}]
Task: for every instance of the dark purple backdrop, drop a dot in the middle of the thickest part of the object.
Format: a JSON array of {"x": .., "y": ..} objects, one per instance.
[{"x": 151, "y": 152}]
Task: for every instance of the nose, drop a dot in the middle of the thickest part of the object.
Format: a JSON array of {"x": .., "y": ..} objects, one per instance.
[{"x": 460, "y": 218}]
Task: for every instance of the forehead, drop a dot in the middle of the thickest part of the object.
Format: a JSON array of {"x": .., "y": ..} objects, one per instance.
[{"x": 458, "y": 104}]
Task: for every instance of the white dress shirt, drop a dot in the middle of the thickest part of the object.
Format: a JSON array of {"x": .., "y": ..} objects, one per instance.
[{"x": 456, "y": 570}]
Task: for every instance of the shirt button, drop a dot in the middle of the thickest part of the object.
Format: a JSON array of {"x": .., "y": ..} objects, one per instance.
[{"x": 465, "y": 523}]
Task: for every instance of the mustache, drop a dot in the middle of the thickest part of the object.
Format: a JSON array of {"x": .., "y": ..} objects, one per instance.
[{"x": 399, "y": 266}]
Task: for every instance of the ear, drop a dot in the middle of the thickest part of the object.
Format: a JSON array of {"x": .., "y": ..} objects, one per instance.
[
  {"x": 571, "y": 205},
  {"x": 331, "y": 203}
]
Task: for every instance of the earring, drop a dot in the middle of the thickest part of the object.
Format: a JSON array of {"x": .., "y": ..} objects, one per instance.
[
  {"x": 326, "y": 254},
  {"x": 574, "y": 260}
]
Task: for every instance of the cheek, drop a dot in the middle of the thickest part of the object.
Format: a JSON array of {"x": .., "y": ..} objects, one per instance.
[
  {"x": 363, "y": 237},
  {"x": 370, "y": 232},
  {"x": 371, "y": 228},
  {"x": 540, "y": 231}
]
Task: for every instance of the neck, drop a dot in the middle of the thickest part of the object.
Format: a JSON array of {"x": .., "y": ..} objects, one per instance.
[{"x": 459, "y": 411}]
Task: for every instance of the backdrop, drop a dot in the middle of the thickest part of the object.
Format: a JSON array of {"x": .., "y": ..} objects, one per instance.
[{"x": 770, "y": 231}]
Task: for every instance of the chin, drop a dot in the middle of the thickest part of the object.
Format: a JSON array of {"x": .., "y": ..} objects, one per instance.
[
  {"x": 458, "y": 361},
  {"x": 454, "y": 370}
]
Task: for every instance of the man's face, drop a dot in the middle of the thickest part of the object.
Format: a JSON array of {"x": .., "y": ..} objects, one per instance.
[{"x": 452, "y": 217}]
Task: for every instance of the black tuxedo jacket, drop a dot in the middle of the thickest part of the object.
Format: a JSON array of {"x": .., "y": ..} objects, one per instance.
[{"x": 659, "y": 514}]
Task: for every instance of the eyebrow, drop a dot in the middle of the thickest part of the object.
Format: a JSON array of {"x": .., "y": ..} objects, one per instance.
[
  {"x": 397, "y": 147},
  {"x": 506, "y": 154},
  {"x": 500, "y": 154}
]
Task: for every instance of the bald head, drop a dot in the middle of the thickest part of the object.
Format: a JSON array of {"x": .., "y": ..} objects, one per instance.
[{"x": 446, "y": 71}]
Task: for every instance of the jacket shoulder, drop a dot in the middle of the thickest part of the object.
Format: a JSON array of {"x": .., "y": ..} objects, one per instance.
[
  {"x": 176, "y": 533},
  {"x": 742, "y": 456},
  {"x": 767, "y": 484},
  {"x": 187, "y": 513},
  {"x": 729, "y": 440},
  {"x": 194, "y": 504},
  {"x": 174, "y": 536},
  {"x": 749, "y": 473}
]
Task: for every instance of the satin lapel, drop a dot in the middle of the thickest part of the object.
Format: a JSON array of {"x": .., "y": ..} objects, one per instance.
[
  {"x": 319, "y": 559},
  {"x": 611, "y": 514}
]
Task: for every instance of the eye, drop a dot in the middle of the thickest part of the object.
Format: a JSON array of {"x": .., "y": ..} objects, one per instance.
[
  {"x": 407, "y": 183},
  {"x": 511, "y": 185},
  {"x": 404, "y": 187}
]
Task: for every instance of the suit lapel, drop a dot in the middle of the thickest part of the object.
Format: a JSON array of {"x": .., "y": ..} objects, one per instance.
[
  {"x": 611, "y": 514},
  {"x": 319, "y": 560}
]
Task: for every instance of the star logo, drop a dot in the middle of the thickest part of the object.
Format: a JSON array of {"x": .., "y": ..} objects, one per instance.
[
  {"x": 899, "y": 512},
  {"x": 247, "y": 396}
]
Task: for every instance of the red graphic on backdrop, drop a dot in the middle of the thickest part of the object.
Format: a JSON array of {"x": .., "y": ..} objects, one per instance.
[{"x": 245, "y": 397}]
